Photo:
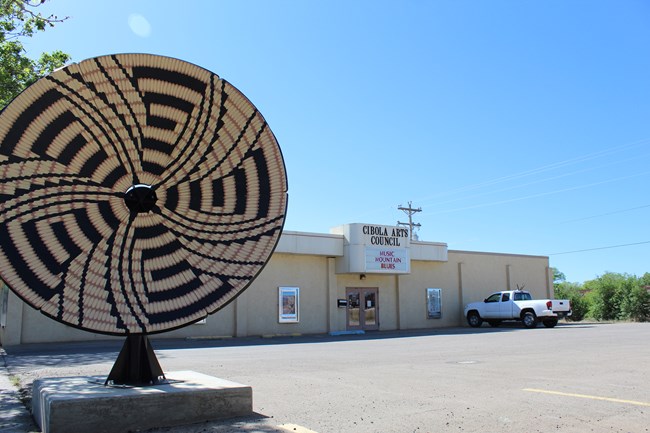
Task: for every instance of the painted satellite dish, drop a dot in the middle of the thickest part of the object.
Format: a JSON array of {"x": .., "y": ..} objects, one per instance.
[{"x": 138, "y": 194}]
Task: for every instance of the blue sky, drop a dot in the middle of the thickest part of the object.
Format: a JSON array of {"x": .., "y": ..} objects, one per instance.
[{"x": 517, "y": 126}]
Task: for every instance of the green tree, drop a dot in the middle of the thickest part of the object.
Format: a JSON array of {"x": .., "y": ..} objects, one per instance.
[
  {"x": 558, "y": 277},
  {"x": 574, "y": 293},
  {"x": 20, "y": 19},
  {"x": 606, "y": 296},
  {"x": 619, "y": 297},
  {"x": 645, "y": 280},
  {"x": 635, "y": 304}
]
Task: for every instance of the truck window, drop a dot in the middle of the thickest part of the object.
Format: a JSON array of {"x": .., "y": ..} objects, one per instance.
[
  {"x": 505, "y": 297},
  {"x": 523, "y": 296},
  {"x": 493, "y": 298}
]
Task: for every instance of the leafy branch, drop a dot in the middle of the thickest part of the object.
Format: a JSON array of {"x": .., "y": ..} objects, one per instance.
[{"x": 20, "y": 19}]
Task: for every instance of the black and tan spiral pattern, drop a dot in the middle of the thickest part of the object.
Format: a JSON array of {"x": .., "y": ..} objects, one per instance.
[{"x": 76, "y": 141}]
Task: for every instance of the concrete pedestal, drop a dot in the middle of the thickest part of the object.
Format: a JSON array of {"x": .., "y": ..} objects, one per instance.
[{"x": 84, "y": 404}]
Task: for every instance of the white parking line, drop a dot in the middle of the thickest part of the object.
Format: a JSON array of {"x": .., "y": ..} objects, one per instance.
[{"x": 591, "y": 397}]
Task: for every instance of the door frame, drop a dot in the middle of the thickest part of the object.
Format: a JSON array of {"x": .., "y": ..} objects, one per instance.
[{"x": 362, "y": 291}]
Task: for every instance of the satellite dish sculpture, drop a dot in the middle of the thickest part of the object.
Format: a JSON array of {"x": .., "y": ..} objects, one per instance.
[{"x": 138, "y": 194}]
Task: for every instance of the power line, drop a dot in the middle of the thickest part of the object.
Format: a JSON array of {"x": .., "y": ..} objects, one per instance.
[
  {"x": 605, "y": 214},
  {"x": 436, "y": 198},
  {"x": 541, "y": 194},
  {"x": 536, "y": 181},
  {"x": 600, "y": 248},
  {"x": 541, "y": 169}
]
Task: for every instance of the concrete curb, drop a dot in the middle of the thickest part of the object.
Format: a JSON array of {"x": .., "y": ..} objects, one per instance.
[{"x": 14, "y": 416}]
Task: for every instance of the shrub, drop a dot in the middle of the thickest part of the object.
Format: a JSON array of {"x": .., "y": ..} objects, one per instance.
[{"x": 573, "y": 292}]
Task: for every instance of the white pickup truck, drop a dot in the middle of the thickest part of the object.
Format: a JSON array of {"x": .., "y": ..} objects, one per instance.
[{"x": 517, "y": 305}]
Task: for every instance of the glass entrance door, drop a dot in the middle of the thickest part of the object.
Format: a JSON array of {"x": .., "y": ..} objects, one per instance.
[{"x": 363, "y": 308}]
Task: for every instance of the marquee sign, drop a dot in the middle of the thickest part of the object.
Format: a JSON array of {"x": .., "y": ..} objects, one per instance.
[
  {"x": 387, "y": 260},
  {"x": 371, "y": 248}
]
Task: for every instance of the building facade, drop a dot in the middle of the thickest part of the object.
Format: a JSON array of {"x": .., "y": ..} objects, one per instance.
[{"x": 359, "y": 277}]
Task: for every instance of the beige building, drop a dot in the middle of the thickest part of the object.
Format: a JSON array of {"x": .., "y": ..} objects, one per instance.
[{"x": 359, "y": 277}]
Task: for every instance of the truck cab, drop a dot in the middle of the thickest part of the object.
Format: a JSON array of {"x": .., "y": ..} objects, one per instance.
[{"x": 500, "y": 305}]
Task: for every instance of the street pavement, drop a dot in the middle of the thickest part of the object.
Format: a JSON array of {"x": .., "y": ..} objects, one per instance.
[{"x": 583, "y": 377}]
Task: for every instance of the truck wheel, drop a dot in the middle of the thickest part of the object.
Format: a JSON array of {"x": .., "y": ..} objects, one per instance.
[
  {"x": 549, "y": 323},
  {"x": 494, "y": 323},
  {"x": 529, "y": 319},
  {"x": 474, "y": 320}
]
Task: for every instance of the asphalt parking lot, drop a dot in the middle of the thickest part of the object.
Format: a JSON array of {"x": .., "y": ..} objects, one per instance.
[{"x": 574, "y": 378}]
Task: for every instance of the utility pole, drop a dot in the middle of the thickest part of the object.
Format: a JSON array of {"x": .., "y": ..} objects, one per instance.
[{"x": 410, "y": 211}]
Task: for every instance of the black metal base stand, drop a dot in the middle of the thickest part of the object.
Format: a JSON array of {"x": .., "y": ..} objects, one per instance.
[{"x": 136, "y": 365}]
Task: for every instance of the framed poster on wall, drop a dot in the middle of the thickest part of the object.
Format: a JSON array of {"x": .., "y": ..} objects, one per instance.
[
  {"x": 289, "y": 303},
  {"x": 434, "y": 303}
]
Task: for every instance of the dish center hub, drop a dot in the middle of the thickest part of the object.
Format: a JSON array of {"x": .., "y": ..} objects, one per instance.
[{"x": 140, "y": 198}]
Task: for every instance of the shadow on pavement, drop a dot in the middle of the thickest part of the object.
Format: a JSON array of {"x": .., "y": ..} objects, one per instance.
[
  {"x": 106, "y": 351},
  {"x": 48, "y": 355},
  {"x": 14, "y": 417},
  {"x": 257, "y": 423}
]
